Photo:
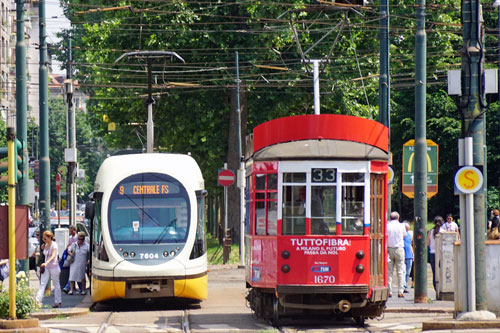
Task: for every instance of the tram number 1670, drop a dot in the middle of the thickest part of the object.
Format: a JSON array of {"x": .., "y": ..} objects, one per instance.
[{"x": 324, "y": 279}]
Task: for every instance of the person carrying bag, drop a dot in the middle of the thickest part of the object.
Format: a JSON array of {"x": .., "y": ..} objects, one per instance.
[{"x": 493, "y": 233}]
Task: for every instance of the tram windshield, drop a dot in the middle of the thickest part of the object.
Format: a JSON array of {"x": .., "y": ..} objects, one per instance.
[{"x": 149, "y": 208}]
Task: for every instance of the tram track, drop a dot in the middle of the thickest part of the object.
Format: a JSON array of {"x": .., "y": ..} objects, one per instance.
[
  {"x": 186, "y": 327},
  {"x": 105, "y": 323}
]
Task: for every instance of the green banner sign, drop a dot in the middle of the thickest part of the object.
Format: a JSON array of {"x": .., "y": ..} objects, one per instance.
[{"x": 432, "y": 168}]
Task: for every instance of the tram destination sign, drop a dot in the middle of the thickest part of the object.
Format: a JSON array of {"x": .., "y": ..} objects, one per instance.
[{"x": 409, "y": 167}]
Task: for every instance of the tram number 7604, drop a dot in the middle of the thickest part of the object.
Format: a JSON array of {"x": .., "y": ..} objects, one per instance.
[
  {"x": 324, "y": 279},
  {"x": 148, "y": 256}
]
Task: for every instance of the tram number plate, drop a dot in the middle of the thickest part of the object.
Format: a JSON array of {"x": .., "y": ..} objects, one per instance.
[
  {"x": 324, "y": 279},
  {"x": 148, "y": 256}
]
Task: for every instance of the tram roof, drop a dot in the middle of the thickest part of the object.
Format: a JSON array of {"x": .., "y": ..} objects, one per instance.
[{"x": 320, "y": 136}]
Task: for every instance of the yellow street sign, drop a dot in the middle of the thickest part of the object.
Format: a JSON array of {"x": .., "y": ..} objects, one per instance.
[{"x": 468, "y": 180}]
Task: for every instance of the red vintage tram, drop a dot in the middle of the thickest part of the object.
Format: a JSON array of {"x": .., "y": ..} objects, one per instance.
[{"x": 316, "y": 217}]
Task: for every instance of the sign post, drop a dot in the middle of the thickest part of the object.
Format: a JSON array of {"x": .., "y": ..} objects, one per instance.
[
  {"x": 432, "y": 168},
  {"x": 58, "y": 190}
]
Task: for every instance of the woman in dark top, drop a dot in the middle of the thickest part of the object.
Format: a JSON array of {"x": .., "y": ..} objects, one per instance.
[{"x": 494, "y": 224}]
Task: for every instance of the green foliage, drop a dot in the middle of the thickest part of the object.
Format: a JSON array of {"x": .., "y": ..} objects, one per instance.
[
  {"x": 25, "y": 299},
  {"x": 215, "y": 252},
  {"x": 194, "y": 118}
]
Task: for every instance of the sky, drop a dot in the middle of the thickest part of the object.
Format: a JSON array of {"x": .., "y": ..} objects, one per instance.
[{"x": 56, "y": 21}]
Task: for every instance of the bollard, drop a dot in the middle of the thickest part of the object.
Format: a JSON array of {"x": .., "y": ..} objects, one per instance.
[{"x": 227, "y": 246}]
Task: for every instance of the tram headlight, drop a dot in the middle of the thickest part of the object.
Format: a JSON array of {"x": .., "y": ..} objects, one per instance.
[
  {"x": 360, "y": 254},
  {"x": 172, "y": 253},
  {"x": 120, "y": 249},
  {"x": 285, "y": 268},
  {"x": 165, "y": 253},
  {"x": 360, "y": 268},
  {"x": 132, "y": 254},
  {"x": 285, "y": 254},
  {"x": 125, "y": 254}
]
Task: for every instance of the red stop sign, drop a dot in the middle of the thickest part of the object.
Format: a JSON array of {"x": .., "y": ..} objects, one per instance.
[
  {"x": 226, "y": 177},
  {"x": 58, "y": 182}
]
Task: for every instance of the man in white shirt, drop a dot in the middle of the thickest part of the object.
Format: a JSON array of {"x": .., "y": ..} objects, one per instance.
[{"x": 396, "y": 232}]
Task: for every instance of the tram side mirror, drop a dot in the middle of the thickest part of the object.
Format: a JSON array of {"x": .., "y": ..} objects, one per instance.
[{"x": 90, "y": 210}]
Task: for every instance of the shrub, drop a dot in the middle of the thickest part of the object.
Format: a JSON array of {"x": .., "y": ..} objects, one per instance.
[{"x": 25, "y": 298}]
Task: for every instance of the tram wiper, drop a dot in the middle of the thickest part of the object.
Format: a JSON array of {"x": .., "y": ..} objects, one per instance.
[{"x": 164, "y": 231}]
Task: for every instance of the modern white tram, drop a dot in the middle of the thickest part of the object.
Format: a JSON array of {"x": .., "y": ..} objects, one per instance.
[{"x": 147, "y": 228}]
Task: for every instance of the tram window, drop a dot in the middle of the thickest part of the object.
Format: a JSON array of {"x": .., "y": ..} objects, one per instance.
[
  {"x": 260, "y": 217},
  {"x": 272, "y": 218},
  {"x": 352, "y": 210},
  {"x": 260, "y": 182},
  {"x": 296, "y": 177},
  {"x": 294, "y": 212},
  {"x": 266, "y": 197},
  {"x": 353, "y": 177},
  {"x": 272, "y": 181},
  {"x": 323, "y": 199}
]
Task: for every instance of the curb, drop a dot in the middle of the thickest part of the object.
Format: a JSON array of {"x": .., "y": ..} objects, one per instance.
[
  {"x": 455, "y": 324},
  {"x": 419, "y": 310},
  {"x": 44, "y": 315}
]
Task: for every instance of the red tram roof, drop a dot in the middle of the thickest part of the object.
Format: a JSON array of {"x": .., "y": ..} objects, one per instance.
[{"x": 323, "y": 126}]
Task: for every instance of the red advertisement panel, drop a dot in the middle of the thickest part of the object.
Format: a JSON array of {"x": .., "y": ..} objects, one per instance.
[{"x": 323, "y": 260}]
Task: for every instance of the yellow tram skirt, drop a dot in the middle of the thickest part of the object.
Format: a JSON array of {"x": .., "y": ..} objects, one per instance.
[{"x": 196, "y": 288}]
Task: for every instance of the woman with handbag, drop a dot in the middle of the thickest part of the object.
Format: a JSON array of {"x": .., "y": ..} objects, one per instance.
[
  {"x": 80, "y": 252},
  {"x": 50, "y": 269}
]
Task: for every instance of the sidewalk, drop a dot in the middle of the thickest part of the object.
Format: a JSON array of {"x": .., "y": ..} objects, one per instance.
[
  {"x": 71, "y": 305},
  {"x": 407, "y": 304}
]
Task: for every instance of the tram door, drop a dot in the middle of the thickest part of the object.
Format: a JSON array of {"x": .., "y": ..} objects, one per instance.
[{"x": 377, "y": 229}]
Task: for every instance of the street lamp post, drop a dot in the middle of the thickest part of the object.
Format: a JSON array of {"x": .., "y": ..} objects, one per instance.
[{"x": 149, "y": 55}]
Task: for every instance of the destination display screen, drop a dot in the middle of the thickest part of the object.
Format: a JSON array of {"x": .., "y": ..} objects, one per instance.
[{"x": 147, "y": 188}]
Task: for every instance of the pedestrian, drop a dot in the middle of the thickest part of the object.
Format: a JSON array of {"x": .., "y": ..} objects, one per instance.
[
  {"x": 50, "y": 269},
  {"x": 72, "y": 239},
  {"x": 450, "y": 225},
  {"x": 396, "y": 232},
  {"x": 493, "y": 225},
  {"x": 4, "y": 271},
  {"x": 80, "y": 250},
  {"x": 431, "y": 243},
  {"x": 408, "y": 241}
]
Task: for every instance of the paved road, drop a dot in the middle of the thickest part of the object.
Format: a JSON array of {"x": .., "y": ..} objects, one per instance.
[{"x": 226, "y": 310}]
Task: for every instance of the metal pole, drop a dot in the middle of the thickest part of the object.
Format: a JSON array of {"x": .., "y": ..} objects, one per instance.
[
  {"x": 384, "y": 83},
  {"x": 21, "y": 111},
  {"x": 384, "y": 79},
  {"x": 316, "y": 86},
  {"x": 469, "y": 224},
  {"x": 225, "y": 206},
  {"x": 11, "y": 160},
  {"x": 150, "y": 102},
  {"x": 420, "y": 173},
  {"x": 472, "y": 106},
  {"x": 72, "y": 165},
  {"x": 43, "y": 133},
  {"x": 241, "y": 178}
]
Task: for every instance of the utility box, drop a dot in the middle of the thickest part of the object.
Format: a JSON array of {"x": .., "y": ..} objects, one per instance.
[
  {"x": 445, "y": 270},
  {"x": 492, "y": 263},
  {"x": 21, "y": 232}
]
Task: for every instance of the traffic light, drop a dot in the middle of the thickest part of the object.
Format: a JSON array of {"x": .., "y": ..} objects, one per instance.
[
  {"x": 18, "y": 165},
  {"x": 19, "y": 160}
]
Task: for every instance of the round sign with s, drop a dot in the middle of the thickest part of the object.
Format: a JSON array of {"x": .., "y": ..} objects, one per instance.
[
  {"x": 469, "y": 179},
  {"x": 390, "y": 176}
]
